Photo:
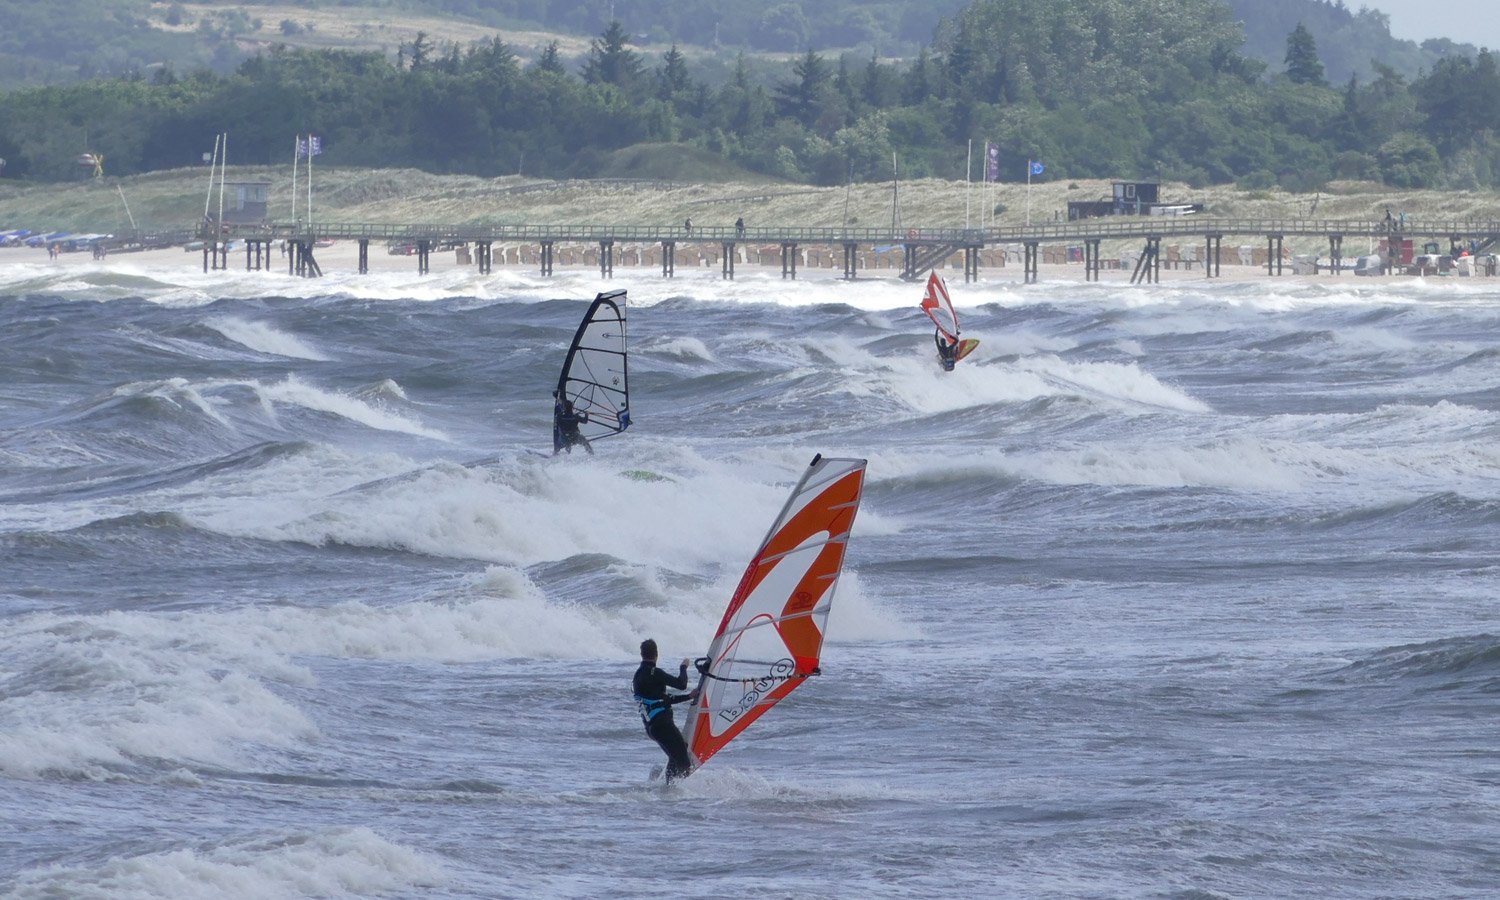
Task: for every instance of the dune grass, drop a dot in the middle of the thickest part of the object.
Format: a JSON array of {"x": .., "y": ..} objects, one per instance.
[{"x": 177, "y": 198}]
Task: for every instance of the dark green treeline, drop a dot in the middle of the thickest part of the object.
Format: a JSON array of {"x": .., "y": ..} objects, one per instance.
[{"x": 1094, "y": 88}]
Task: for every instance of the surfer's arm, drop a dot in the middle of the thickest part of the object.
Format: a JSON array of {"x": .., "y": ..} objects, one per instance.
[
  {"x": 681, "y": 698},
  {"x": 680, "y": 682}
]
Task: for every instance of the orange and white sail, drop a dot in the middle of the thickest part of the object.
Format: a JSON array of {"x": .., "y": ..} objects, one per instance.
[
  {"x": 939, "y": 307},
  {"x": 771, "y": 637}
]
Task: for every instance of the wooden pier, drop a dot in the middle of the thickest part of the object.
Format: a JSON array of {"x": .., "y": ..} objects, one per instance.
[{"x": 922, "y": 249}]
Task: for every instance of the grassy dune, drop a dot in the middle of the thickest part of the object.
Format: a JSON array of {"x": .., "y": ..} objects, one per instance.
[
  {"x": 407, "y": 196},
  {"x": 363, "y": 28}
]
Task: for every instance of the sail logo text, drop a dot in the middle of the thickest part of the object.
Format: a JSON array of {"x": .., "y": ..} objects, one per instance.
[{"x": 778, "y": 671}]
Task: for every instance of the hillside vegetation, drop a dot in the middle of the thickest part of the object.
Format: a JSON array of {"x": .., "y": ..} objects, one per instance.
[
  {"x": 1090, "y": 88},
  {"x": 42, "y": 43}
]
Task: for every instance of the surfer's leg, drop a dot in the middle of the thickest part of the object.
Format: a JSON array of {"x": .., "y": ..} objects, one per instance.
[
  {"x": 679, "y": 764},
  {"x": 664, "y": 731}
]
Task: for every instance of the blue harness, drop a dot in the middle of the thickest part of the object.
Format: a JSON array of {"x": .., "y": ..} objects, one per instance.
[{"x": 649, "y": 709}]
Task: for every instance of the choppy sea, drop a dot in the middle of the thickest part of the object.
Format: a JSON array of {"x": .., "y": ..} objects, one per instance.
[{"x": 1184, "y": 590}]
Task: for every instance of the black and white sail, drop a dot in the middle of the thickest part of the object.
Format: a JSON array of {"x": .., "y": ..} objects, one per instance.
[{"x": 594, "y": 379}]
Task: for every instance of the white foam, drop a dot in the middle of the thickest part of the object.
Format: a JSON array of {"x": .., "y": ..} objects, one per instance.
[
  {"x": 91, "y": 695},
  {"x": 181, "y": 393},
  {"x": 918, "y": 383},
  {"x": 331, "y": 862},
  {"x": 263, "y": 338},
  {"x": 294, "y": 391},
  {"x": 686, "y": 347}
]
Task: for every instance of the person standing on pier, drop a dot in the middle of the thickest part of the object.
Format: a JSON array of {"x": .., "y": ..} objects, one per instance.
[
  {"x": 739, "y": 227},
  {"x": 687, "y": 225}
]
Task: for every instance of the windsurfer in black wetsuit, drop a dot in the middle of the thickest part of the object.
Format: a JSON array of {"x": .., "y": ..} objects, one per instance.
[
  {"x": 655, "y": 705},
  {"x": 565, "y": 422},
  {"x": 947, "y": 352}
]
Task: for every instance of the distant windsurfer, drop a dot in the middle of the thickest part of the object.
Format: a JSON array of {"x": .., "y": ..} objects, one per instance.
[
  {"x": 947, "y": 351},
  {"x": 655, "y": 705},
  {"x": 565, "y": 422}
]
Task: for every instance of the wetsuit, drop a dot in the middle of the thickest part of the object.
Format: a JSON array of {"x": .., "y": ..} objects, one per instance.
[
  {"x": 565, "y": 421},
  {"x": 947, "y": 353},
  {"x": 650, "y": 685}
]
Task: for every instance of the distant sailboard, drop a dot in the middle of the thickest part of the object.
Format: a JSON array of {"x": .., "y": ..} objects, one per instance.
[
  {"x": 939, "y": 307},
  {"x": 594, "y": 373},
  {"x": 771, "y": 636}
]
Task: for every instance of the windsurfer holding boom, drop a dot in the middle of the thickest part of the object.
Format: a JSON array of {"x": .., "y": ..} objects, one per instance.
[
  {"x": 947, "y": 352},
  {"x": 655, "y": 705},
  {"x": 565, "y": 422}
]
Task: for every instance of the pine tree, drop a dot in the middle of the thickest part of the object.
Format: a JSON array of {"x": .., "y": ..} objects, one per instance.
[
  {"x": 1302, "y": 63},
  {"x": 610, "y": 62},
  {"x": 551, "y": 60},
  {"x": 672, "y": 77}
]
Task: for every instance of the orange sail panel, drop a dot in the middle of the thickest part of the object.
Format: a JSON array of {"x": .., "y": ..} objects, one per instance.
[
  {"x": 939, "y": 307},
  {"x": 771, "y": 637}
]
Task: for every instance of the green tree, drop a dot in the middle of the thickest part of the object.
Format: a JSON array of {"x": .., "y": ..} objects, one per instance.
[
  {"x": 550, "y": 60},
  {"x": 1408, "y": 160},
  {"x": 672, "y": 79},
  {"x": 805, "y": 95},
  {"x": 1302, "y": 63},
  {"x": 611, "y": 62}
]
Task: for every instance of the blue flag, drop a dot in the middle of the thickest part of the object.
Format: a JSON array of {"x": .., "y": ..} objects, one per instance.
[
  {"x": 991, "y": 161},
  {"x": 1036, "y": 167},
  {"x": 312, "y": 145}
]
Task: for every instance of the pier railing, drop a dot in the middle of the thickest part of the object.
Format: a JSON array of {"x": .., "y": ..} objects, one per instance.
[{"x": 1108, "y": 228}]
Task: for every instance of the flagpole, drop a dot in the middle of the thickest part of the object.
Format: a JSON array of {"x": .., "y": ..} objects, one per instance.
[
  {"x": 296, "y": 146},
  {"x": 309, "y": 178},
  {"x": 1028, "y": 193},
  {"x": 968, "y": 182}
]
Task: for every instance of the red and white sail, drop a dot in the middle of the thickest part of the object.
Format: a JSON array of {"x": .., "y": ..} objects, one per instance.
[
  {"x": 939, "y": 307},
  {"x": 771, "y": 637}
]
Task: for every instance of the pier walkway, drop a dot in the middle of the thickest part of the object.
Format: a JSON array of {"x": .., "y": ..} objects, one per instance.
[{"x": 921, "y": 248}]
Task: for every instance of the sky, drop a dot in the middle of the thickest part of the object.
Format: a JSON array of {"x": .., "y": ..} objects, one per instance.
[{"x": 1464, "y": 21}]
